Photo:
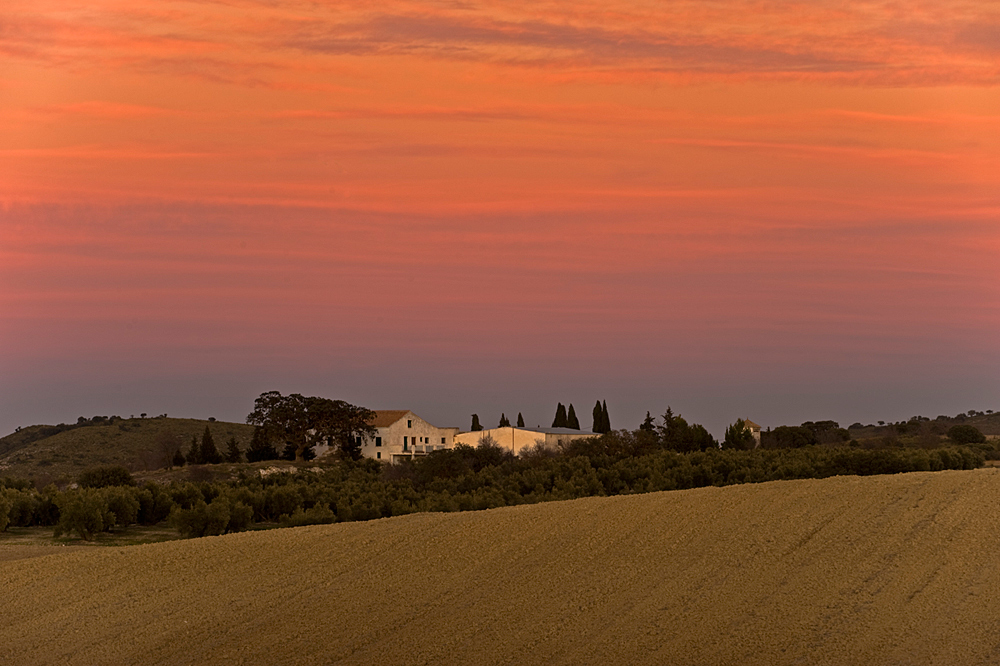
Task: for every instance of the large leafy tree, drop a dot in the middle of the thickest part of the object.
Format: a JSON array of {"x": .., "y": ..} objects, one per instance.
[{"x": 300, "y": 422}]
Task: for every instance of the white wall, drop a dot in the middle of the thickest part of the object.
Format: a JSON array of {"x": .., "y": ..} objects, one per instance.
[{"x": 419, "y": 436}]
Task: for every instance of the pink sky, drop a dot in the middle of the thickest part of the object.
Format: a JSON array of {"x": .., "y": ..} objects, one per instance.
[{"x": 779, "y": 210}]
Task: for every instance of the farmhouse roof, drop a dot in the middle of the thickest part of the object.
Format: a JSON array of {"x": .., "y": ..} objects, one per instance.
[
  {"x": 561, "y": 431},
  {"x": 386, "y": 417},
  {"x": 548, "y": 431},
  {"x": 751, "y": 424}
]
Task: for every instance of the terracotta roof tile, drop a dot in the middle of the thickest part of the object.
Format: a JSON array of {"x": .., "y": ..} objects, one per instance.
[{"x": 386, "y": 417}]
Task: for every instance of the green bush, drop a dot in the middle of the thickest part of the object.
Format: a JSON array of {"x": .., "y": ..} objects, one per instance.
[
  {"x": 83, "y": 511},
  {"x": 123, "y": 504},
  {"x": 5, "y": 505},
  {"x": 222, "y": 515},
  {"x": 104, "y": 477},
  {"x": 966, "y": 434},
  {"x": 317, "y": 515},
  {"x": 155, "y": 504},
  {"x": 202, "y": 519},
  {"x": 21, "y": 512}
]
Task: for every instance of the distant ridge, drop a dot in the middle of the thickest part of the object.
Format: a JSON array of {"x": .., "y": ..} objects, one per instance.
[{"x": 52, "y": 453}]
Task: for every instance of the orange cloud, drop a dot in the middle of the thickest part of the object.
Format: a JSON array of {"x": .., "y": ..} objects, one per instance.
[{"x": 757, "y": 186}]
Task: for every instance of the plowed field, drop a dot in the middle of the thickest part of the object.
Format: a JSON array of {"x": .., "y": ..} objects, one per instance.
[{"x": 877, "y": 570}]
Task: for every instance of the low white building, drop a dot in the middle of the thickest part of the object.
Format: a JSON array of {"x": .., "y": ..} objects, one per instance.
[
  {"x": 518, "y": 440},
  {"x": 400, "y": 435}
]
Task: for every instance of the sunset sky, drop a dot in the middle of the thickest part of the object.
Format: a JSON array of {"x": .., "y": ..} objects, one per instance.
[{"x": 784, "y": 211}]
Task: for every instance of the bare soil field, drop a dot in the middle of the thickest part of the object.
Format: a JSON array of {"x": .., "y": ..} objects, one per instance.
[{"x": 849, "y": 570}]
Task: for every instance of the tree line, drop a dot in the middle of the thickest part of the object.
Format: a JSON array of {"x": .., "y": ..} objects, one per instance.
[
  {"x": 669, "y": 455},
  {"x": 563, "y": 419}
]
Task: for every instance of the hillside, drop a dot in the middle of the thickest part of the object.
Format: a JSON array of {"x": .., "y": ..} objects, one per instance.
[
  {"x": 987, "y": 423},
  {"x": 846, "y": 570},
  {"x": 60, "y": 453}
]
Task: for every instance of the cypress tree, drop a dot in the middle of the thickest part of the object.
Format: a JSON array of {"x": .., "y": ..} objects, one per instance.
[
  {"x": 560, "y": 420},
  {"x": 598, "y": 418},
  {"x": 475, "y": 423},
  {"x": 571, "y": 420},
  {"x": 209, "y": 453},
  {"x": 504, "y": 422},
  {"x": 739, "y": 436},
  {"x": 233, "y": 453},
  {"x": 179, "y": 459},
  {"x": 607, "y": 418},
  {"x": 194, "y": 453},
  {"x": 520, "y": 420},
  {"x": 260, "y": 448}
]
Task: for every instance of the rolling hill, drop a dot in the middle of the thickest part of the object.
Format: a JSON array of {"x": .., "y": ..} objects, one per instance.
[
  {"x": 54, "y": 453},
  {"x": 847, "y": 570}
]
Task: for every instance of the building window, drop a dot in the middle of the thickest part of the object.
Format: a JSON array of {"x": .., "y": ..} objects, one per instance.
[
  {"x": 378, "y": 442},
  {"x": 442, "y": 440},
  {"x": 409, "y": 424},
  {"x": 378, "y": 454}
]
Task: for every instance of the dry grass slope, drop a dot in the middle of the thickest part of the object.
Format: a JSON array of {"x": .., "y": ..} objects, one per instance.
[
  {"x": 138, "y": 444},
  {"x": 892, "y": 569}
]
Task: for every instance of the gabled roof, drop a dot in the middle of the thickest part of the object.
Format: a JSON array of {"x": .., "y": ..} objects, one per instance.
[
  {"x": 751, "y": 424},
  {"x": 561, "y": 431},
  {"x": 545, "y": 431},
  {"x": 386, "y": 417}
]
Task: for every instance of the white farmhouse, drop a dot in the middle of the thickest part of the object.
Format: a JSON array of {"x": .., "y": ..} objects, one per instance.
[
  {"x": 400, "y": 435},
  {"x": 520, "y": 439}
]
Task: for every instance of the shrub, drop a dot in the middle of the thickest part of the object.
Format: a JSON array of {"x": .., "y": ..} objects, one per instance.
[
  {"x": 739, "y": 437},
  {"x": 789, "y": 437},
  {"x": 22, "y": 507},
  {"x": 240, "y": 517},
  {"x": 103, "y": 477},
  {"x": 5, "y": 505},
  {"x": 83, "y": 511},
  {"x": 123, "y": 504},
  {"x": 281, "y": 500},
  {"x": 966, "y": 434},
  {"x": 318, "y": 515},
  {"x": 202, "y": 519},
  {"x": 154, "y": 505}
]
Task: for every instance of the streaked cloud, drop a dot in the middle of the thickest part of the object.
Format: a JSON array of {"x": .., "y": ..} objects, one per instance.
[{"x": 865, "y": 43}]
